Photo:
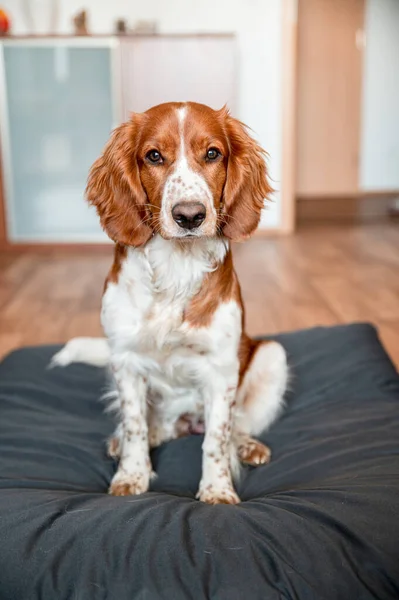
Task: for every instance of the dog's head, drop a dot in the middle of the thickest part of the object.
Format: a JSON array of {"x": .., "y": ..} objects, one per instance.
[{"x": 182, "y": 170}]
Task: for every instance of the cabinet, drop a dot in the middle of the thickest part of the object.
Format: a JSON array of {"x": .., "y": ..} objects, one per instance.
[
  {"x": 329, "y": 97},
  {"x": 59, "y": 103}
]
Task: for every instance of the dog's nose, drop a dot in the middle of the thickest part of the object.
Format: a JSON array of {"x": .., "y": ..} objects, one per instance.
[{"x": 189, "y": 215}]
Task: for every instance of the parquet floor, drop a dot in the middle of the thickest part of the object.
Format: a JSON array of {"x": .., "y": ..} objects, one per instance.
[{"x": 320, "y": 276}]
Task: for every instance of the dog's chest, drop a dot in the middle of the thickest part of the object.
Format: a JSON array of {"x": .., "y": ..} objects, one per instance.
[{"x": 143, "y": 312}]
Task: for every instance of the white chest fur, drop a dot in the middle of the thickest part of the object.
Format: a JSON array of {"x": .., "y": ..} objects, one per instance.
[{"x": 142, "y": 316}]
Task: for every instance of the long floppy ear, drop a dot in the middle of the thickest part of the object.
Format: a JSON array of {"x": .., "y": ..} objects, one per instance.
[
  {"x": 247, "y": 185},
  {"x": 115, "y": 189}
]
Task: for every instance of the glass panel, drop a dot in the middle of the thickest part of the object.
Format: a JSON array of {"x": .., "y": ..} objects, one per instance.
[{"x": 60, "y": 115}]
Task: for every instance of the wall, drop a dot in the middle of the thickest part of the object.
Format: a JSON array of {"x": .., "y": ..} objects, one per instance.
[
  {"x": 379, "y": 168},
  {"x": 258, "y": 27}
]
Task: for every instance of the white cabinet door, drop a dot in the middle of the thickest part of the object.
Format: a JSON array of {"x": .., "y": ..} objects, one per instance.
[
  {"x": 58, "y": 111},
  {"x": 178, "y": 68}
]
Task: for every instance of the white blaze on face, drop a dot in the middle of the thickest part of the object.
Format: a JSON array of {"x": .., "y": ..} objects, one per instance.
[{"x": 185, "y": 185}]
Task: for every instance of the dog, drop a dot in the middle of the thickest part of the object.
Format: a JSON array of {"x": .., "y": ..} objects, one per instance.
[{"x": 173, "y": 188}]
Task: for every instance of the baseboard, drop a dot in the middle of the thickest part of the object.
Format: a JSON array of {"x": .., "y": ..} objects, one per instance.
[{"x": 354, "y": 208}]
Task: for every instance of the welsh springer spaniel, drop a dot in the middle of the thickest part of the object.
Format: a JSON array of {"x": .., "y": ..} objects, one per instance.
[{"x": 172, "y": 188}]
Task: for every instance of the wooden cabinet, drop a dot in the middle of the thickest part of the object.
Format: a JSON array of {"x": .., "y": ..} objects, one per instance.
[{"x": 329, "y": 96}]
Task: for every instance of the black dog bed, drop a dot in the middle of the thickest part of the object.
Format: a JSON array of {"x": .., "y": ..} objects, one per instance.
[{"x": 320, "y": 522}]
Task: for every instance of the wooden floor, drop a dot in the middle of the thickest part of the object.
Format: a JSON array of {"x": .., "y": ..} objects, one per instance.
[{"x": 319, "y": 276}]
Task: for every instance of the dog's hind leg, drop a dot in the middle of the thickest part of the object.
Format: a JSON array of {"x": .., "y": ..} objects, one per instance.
[{"x": 260, "y": 401}]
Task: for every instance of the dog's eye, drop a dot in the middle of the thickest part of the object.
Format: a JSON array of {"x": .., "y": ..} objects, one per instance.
[
  {"x": 154, "y": 157},
  {"x": 212, "y": 154}
]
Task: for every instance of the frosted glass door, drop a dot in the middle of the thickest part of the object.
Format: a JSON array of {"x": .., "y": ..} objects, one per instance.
[{"x": 59, "y": 113}]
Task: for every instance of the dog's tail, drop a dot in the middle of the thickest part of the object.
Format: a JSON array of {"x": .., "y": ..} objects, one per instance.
[{"x": 90, "y": 351}]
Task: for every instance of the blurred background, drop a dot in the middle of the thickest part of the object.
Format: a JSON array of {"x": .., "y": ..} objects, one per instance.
[{"x": 316, "y": 80}]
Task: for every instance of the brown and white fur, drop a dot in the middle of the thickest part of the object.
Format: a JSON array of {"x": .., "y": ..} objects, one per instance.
[{"x": 173, "y": 187}]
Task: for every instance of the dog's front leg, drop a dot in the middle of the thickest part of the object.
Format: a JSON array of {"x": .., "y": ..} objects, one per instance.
[
  {"x": 216, "y": 486},
  {"x": 134, "y": 470}
]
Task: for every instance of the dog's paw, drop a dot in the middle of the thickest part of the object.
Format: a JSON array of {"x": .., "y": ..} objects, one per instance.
[
  {"x": 254, "y": 453},
  {"x": 129, "y": 484},
  {"x": 211, "y": 494}
]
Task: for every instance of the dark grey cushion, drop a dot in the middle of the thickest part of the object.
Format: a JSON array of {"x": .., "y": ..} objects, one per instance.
[{"x": 320, "y": 522}]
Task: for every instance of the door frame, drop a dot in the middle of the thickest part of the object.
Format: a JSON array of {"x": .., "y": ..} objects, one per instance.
[{"x": 289, "y": 112}]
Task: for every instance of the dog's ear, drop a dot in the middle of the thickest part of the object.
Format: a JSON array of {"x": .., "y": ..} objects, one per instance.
[
  {"x": 115, "y": 189},
  {"x": 247, "y": 185}
]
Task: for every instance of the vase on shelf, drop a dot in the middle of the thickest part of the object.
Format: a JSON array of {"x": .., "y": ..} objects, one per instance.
[{"x": 41, "y": 16}]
